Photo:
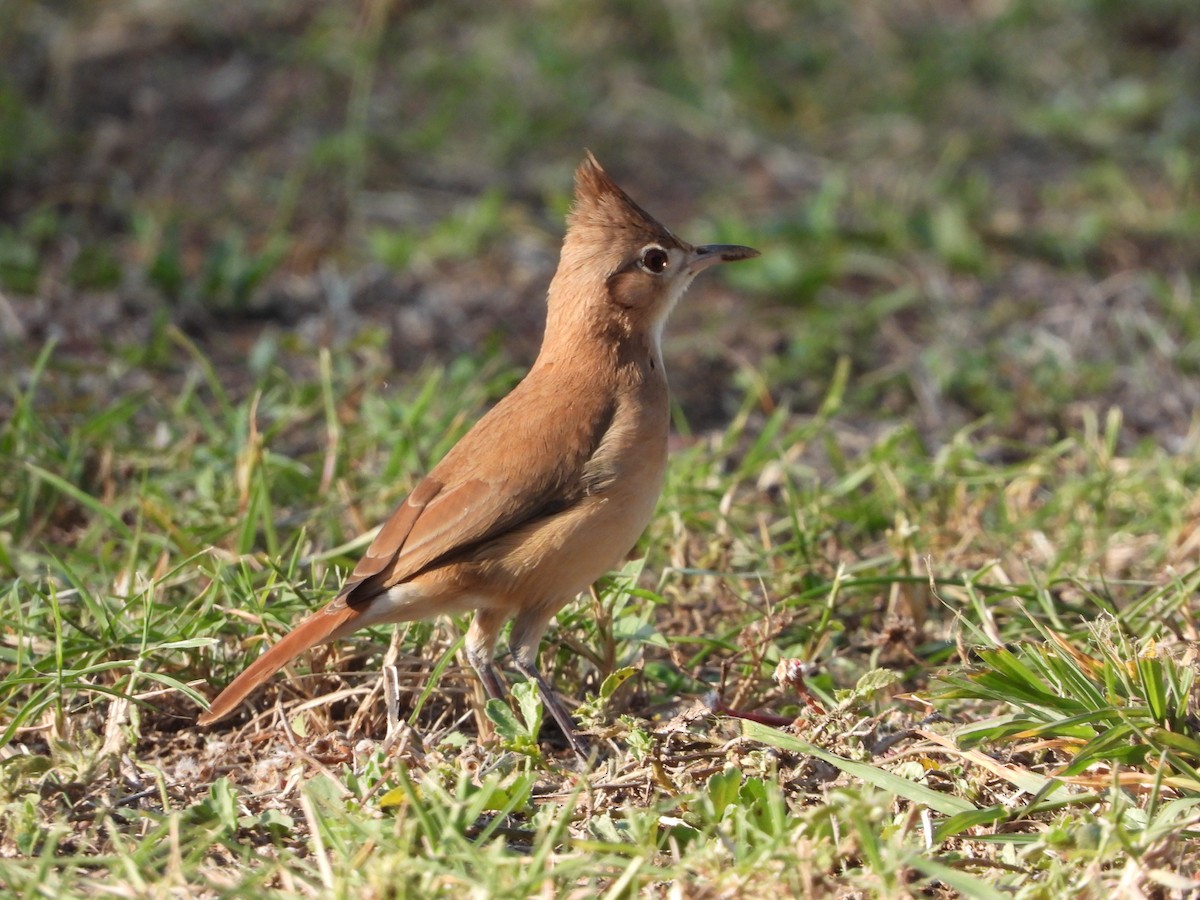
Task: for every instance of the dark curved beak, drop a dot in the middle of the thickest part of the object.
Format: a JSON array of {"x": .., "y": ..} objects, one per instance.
[{"x": 711, "y": 254}]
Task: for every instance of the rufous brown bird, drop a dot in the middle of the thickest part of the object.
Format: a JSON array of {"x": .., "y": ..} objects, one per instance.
[{"x": 554, "y": 485}]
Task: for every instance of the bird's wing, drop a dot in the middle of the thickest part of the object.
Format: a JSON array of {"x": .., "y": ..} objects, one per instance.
[{"x": 476, "y": 494}]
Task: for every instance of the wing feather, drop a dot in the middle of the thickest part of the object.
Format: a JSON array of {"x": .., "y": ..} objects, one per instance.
[{"x": 476, "y": 494}]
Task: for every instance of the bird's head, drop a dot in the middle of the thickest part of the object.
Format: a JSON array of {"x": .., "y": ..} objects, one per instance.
[{"x": 619, "y": 265}]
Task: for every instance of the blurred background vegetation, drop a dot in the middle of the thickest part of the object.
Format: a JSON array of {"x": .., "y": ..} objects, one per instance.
[{"x": 989, "y": 207}]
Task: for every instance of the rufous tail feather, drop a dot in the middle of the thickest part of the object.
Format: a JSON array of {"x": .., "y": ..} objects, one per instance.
[{"x": 326, "y": 624}]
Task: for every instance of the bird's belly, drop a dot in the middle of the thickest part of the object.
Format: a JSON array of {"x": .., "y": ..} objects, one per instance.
[{"x": 549, "y": 561}]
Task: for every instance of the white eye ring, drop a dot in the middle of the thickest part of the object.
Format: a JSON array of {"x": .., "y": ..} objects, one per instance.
[{"x": 654, "y": 259}]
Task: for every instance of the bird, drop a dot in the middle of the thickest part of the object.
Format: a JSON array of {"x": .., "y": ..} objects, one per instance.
[{"x": 554, "y": 485}]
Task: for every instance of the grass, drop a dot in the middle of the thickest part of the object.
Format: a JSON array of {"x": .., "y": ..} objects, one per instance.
[
  {"x": 916, "y": 613},
  {"x": 1063, "y": 746}
]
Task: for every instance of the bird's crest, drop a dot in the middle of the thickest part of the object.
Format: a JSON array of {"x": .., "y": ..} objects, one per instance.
[{"x": 600, "y": 204}]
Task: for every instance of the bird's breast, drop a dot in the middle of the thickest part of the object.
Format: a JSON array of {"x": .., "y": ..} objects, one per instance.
[{"x": 549, "y": 560}]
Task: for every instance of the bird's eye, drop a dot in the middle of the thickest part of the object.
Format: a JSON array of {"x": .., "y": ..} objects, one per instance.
[{"x": 655, "y": 259}]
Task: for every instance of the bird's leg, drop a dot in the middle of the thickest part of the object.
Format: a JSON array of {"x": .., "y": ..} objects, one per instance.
[
  {"x": 391, "y": 691},
  {"x": 526, "y": 636},
  {"x": 481, "y": 649},
  {"x": 486, "y": 670}
]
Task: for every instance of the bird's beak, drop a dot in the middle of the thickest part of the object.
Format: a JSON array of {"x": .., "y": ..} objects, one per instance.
[{"x": 711, "y": 254}]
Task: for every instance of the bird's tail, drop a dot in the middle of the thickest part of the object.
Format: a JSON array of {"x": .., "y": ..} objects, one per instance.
[{"x": 329, "y": 623}]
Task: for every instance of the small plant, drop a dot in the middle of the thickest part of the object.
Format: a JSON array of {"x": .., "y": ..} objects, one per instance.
[
  {"x": 1125, "y": 703},
  {"x": 519, "y": 735}
]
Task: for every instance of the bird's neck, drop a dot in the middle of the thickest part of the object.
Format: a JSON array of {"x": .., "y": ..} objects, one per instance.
[{"x": 602, "y": 352}]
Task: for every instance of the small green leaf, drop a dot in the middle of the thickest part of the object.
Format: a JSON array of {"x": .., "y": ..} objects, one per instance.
[
  {"x": 397, "y": 796},
  {"x": 506, "y": 723},
  {"x": 530, "y": 705},
  {"x": 723, "y": 789},
  {"x": 615, "y": 680},
  {"x": 222, "y": 803},
  {"x": 869, "y": 684}
]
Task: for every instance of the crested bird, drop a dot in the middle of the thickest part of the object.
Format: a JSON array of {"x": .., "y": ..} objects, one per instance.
[{"x": 554, "y": 485}]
